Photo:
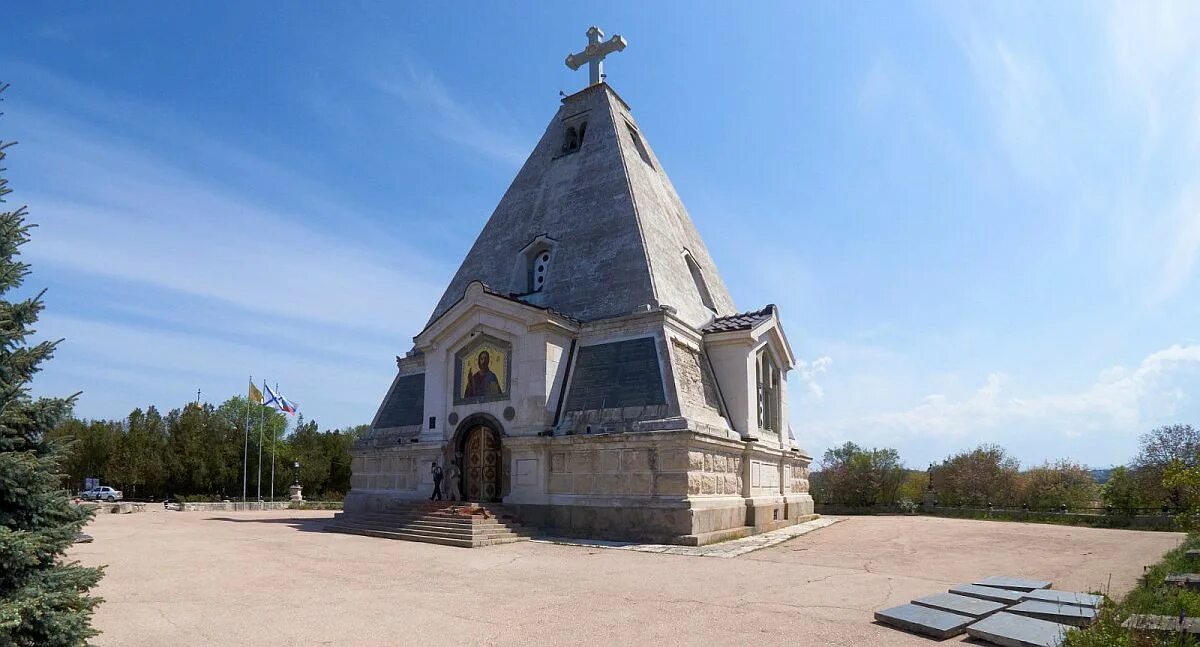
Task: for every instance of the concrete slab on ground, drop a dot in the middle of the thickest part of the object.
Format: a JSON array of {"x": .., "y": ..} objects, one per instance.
[
  {"x": 1065, "y": 597},
  {"x": 1013, "y": 583},
  {"x": 960, "y": 604},
  {"x": 924, "y": 620},
  {"x": 987, "y": 593},
  {"x": 1067, "y": 614},
  {"x": 1010, "y": 630}
]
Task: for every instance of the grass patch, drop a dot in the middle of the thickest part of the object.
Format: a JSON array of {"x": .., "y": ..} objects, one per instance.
[{"x": 1151, "y": 596}]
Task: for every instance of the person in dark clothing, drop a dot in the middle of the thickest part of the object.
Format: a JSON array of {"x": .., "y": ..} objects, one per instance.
[{"x": 437, "y": 482}]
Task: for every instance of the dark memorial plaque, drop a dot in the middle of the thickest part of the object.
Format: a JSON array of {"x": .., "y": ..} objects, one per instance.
[
  {"x": 405, "y": 403},
  {"x": 616, "y": 375}
]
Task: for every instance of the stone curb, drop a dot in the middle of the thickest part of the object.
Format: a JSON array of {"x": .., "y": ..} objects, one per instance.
[{"x": 725, "y": 549}]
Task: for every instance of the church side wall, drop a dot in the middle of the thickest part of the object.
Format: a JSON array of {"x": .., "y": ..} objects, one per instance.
[{"x": 671, "y": 487}]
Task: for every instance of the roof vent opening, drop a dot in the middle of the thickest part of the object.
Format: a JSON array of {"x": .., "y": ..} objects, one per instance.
[
  {"x": 573, "y": 137},
  {"x": 637, "y": 142},
  {"x": 698, "y": 279}
]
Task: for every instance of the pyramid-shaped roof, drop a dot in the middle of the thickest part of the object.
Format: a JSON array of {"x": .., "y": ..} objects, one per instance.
[{"x": 595, "y": 201}]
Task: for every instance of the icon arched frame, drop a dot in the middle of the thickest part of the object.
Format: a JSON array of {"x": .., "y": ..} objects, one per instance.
[{"x": 480, "y": 378}]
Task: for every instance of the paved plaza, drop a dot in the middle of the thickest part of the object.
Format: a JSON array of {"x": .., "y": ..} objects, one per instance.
[{"x": 274, "y": 578}]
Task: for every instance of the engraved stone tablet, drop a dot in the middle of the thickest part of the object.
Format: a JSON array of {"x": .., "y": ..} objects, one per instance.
[
  {"x": 1067, "y": 614},
  {"x": 988, "y": 593},
  {"x": 960, "y": 604},
  {"x": 1013, "y": 583},
  {"x": 1065, "y": 597},
  {"x": 923, "y": 620},
  {"x": 1010, "y": 630}
]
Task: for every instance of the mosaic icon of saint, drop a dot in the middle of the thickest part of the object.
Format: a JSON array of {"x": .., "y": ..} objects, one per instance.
[{"x": 483, "y": 383}]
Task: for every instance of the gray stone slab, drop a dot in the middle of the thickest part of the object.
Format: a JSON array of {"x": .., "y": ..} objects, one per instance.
[
  {"x": 1011, "y": 630},
  {"x": 1067, "y": 614},
  {"x": 1191, "y": 580},
  {"x": 1162, "y": 624},
  {"x": 960, "y": 604},
  {"x": 988, "y": 593},
  {"x": 1065, "y": 597},
  {"x": 1013, "y": 583},
  {"x": 923, "y": 620}
]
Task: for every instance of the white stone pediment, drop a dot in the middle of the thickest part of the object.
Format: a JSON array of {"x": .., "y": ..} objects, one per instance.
[{"x": 481, "y": 309}]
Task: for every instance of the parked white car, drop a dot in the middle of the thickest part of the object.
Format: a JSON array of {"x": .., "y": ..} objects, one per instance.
[{"x": 102, "y": 493}]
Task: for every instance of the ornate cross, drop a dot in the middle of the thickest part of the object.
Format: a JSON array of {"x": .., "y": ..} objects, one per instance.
[{"x": 594, "y": 54}]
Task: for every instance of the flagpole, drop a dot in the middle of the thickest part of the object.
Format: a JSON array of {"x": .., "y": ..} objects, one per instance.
[
  {"x": 261, "y": 454},
  {"x": 273, "y": 454},
  {"x": 246, "y": 445}
]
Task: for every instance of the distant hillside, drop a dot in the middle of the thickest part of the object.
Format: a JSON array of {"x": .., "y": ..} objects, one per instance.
[{"x": 1101, "y": 476}]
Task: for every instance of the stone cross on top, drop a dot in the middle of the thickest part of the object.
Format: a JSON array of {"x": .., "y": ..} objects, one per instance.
[{"x": 594, "y": 54}]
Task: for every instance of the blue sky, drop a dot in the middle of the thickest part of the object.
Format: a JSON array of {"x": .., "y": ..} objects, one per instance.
[{"x": 981, "y": 221}]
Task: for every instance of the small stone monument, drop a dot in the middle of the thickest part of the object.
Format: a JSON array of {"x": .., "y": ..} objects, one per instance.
[
  {"x": 296, "y": 491},
  {"x": 929, "y": 502}
]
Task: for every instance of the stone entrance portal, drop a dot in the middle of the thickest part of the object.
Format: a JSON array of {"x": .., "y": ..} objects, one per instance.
[{"x": 482, "y": 466}]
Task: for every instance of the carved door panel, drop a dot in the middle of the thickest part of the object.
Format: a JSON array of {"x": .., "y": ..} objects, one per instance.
[{"x": 483, "y": 465}]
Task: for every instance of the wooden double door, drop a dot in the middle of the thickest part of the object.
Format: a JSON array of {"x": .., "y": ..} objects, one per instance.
[{"x": 482, "y": 465}]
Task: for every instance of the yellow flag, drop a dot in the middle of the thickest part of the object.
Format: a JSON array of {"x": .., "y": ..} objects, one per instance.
[{"x": 255, "y": 394}]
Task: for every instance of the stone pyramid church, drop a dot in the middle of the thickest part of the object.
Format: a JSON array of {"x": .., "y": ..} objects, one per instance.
[{"x": 586, "y": 366}]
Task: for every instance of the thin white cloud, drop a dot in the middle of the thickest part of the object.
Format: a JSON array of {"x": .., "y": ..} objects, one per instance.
[
  {"x": 807, "y": 372},
  {"x": 204, "y": 278},
  {"x": 1112, "y": 144},
  {"x": 431, "y": 103},
  {"x": 1120, "y": 401},
  {"x": 129, "y": 214},
  {"x": 120, "y": 366}
]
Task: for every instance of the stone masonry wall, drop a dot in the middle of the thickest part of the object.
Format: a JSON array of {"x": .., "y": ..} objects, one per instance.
[
  {"x": 696, "y": 387},
  {"x": 619, "y": 469},
  {"x": 715, "y": 473},
  {"x": 383, "y": 470}
]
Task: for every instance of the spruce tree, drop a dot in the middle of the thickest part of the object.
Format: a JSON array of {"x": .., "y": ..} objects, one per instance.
[{"x": 43, "y": 599}]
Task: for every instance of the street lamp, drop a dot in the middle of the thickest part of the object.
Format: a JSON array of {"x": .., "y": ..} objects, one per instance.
[{"x": 296, "y": 473}]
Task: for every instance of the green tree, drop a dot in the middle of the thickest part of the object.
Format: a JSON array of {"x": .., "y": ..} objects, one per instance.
[
  {"x": 856, "y": 476},
  {"x": 43, "y": 601},
  {"x": 1162, "y": 447},
  {"x": 986, "y": 474},
  {"x": 1053, "y": 485},
  {"x": 913, "y": 486},
  {"x": 1121, "y": 492}
]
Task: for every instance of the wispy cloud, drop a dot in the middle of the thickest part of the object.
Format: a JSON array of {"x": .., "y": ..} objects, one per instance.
[
  {"x": 130, "y": 214},
  {"x": 181, "y": 278},
  {"x": 1120, "y": 401},
  {"x": 806, "y": 373},
  {"x": 1113, "y": 143},
  {"x": 1154, "y": 49},
  {"x": 431, "y": 103}
]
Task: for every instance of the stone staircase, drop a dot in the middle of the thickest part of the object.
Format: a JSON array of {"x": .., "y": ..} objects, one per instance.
[{"x": 467, "y": 525}]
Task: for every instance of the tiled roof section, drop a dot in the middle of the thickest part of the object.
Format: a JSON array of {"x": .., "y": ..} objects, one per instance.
[{"x": 740, "y": 321}]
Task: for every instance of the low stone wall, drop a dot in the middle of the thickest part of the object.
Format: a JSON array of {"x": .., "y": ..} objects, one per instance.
[
  {"x": 123, "y": 507},
  {"x": 1132, "y": 522},
  {"x": 239, "y": 506}
]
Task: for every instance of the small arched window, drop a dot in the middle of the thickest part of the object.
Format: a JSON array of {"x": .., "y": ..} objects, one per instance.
[
  {"x": 539, "y": 266},
  {"x": 698, "y": 279},
  {"x": 770, "y": 385}
]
